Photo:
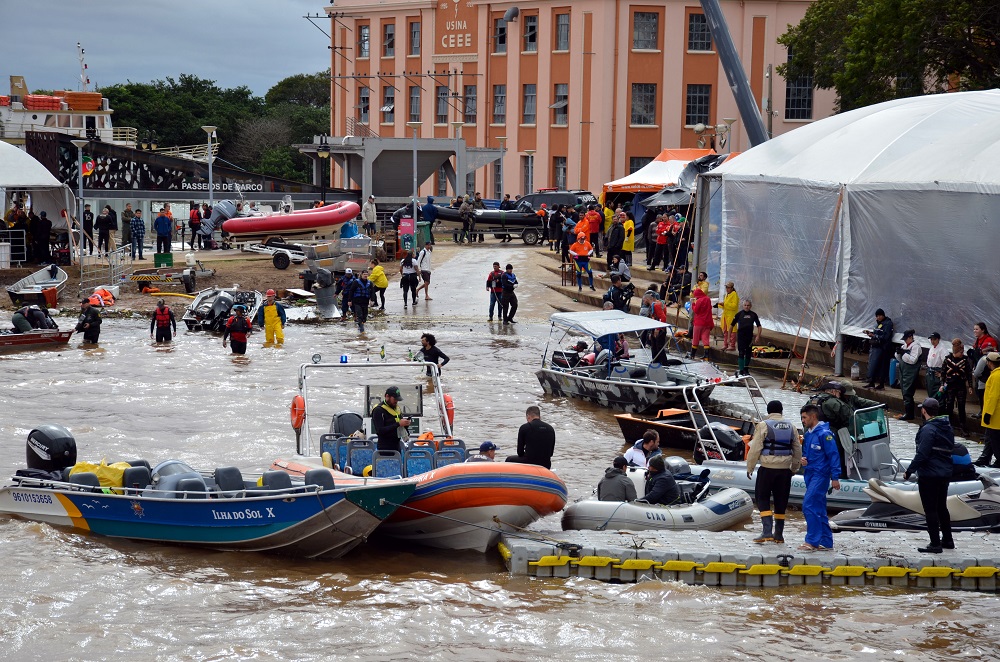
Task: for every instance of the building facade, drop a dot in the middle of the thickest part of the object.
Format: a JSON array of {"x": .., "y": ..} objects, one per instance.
[{"x": 576, "y": 94}]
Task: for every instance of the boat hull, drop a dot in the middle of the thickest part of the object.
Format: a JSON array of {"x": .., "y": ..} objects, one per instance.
[
  {"x": 304, "y": 222},
  {"x": 717, "y": 512},
  {"x": 675, "y": 430},
  {"x": 312, "y": 525},
  {"x": 619, "y": 395},
  {"x": 34, "y": 338},
  {"x": 464, "y": 506}
]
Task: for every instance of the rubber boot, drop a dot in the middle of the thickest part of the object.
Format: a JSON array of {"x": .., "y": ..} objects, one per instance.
[
  {"x": 740, "y": 365},
  {"x": 766, "y": 536},
  {"x": 779, "y": 528}
]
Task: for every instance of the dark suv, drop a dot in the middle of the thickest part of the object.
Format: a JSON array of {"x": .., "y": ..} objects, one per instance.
[{"x": 553, "y": 198}]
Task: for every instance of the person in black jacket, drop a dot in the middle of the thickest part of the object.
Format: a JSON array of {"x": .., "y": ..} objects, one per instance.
[
  {"x": 89, "y": 322},
  {"x": 388, "y": 421},
  {"x": 431, "y": 353},
  {"x": 616, "y": 237},
  {"x": 933, "y": 466},
  {"x": 536, "y": 441},
  {"x": 660, "y": 484}
]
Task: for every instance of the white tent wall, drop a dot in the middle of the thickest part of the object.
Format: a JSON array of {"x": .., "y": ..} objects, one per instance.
[
  {"x": 776, "y": 237},
  {"x": 929, "y": 258}
]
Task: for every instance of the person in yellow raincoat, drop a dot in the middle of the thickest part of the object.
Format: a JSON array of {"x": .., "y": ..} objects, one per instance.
[
  {"x": 271, "y": 317},
  {"x": 629, "y": 244},
  {"x": 730, "y": 305},
  {"x": 379, "y": 281}
]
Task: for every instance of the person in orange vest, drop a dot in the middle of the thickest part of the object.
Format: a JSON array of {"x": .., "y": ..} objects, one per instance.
[
  {"x": 162, "y": 322},
  {"x": 581, "y": 251}
]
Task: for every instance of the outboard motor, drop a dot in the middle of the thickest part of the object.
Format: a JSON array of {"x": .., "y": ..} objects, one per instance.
[
  {"x": 222, "y": 211},
  {"x": 677, "y": 465},
  {"x": 729, "y": 440},
  {"x": 220, "y": 308},
  {"x": 326, "y": 300},
  {"x": 346, "y": 423},
  {"x": 51, "y": 448}
]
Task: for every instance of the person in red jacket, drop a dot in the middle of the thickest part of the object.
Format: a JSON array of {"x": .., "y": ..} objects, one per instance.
[
  {"x": 703, "y": 322},
  {"x": 494, "y": 286},
  {"x": 238, "y": 327},
  {"x": 662, "y": 235},
  {"x": 594, "y": 220}
]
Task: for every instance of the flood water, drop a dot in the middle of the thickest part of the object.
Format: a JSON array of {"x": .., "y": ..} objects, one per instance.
[{"x": 74, "y": 597}]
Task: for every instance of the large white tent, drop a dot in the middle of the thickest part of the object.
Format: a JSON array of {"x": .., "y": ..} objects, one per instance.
[
  {"x": 21, "y": 173},
  {"x": 893, "y": 206}
]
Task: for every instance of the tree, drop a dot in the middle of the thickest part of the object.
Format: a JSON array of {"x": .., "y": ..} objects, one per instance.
[
  {"x": 302, "y": 89},
  {"x": 877, "y": 50}
]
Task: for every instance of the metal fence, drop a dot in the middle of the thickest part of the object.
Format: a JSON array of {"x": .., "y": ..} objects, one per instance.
[
  {"x": 18, "y": 245},
  {"x": 102, "y": 270}
]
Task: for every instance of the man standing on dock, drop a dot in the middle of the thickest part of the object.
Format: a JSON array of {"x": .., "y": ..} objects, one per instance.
[
  {"x": 933, "y": 466},
  {"x": 822, "y": 467},
  {"x": 777, "y": 444}
]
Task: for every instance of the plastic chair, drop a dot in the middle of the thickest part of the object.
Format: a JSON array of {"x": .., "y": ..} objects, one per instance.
[
  {"x": 359, "y": 454},
  {"x": 418, "y": 460},
  {"x": 387, "y": 464},
  {"x": 447, "y": 456}
]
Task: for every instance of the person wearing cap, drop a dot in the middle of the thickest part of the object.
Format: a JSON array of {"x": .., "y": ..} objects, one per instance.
[
  {"x": 429, "y": 212},
  {"x": 935, "y": 358},
  {"x": 368, "y": 217},
  {"x": 487, "y": 453},
  {"x": 342, "y": 285},
  {"x": 822, "y": 468},
  {"x": 388, "y": 421},
  {"x": 271, "y": 317},
  {"x": 933, "y": 466},
  {"x": 837, "y": 413},
  {"x": 616, "y": 485},
  {"x": 238, "y": 329},
  {"x": 991, "y": 412},
  {"x": 580, "y": 251},
  {"x": 163, "y": 322},
  {"x": 661, "y": 488},
  {"x": 880, "y": 339},
  {"x": 776, "y": 444},
  {"x": 908, "y": 356},
  {"x": 89, "y": 322}
]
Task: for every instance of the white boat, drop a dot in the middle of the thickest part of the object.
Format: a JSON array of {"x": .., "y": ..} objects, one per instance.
[
  {"x": 633, "y": 384},
  {"x": 31, "y": 288},
  {"x": 714, "y": 512}
]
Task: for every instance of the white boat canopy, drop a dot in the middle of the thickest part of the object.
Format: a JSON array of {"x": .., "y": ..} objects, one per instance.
[{"x": 598, "y": 323}]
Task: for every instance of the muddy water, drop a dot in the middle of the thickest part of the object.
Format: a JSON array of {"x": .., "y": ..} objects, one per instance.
[{"x": 74, "y": 597}]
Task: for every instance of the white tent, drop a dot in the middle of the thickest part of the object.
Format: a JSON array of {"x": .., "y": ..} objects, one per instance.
[
  {"x": 20, "y": 172},
  {"x": 893, "y": 206},
  {"x": 660, "y": 172}
]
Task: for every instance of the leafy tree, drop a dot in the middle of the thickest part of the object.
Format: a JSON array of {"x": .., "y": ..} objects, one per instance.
[
  {"x": 301, "y": 89},
  {"x": 877, "y": 50}
]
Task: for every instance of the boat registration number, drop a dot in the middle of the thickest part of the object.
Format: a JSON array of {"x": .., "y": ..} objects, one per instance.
[{"x": 31, "y": 497}]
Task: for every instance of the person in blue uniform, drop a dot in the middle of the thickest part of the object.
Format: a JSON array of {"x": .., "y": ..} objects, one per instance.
[{"x": 822, "y": 468}]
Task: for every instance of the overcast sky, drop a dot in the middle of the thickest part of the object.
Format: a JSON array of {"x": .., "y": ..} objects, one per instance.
[{"x": 233, "y": 42}]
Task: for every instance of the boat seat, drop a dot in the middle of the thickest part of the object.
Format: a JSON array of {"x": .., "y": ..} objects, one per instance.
[
  {"x": 359, "y": 454},
  {"x": 452, "y": 443},
  {"x": 657, "y": 373},
  {"x": 418, "y": 460},
  {"x": 229, "y": 480},
  {"x": 136, "y": 477},
  {"x": 191, "y": 488},
  {"x": 85, "y": 478},
  {"x": 321, "y": 477},
  {"x": 387, "y": 464},
  {"x": 139, "y": 463},
  {"x": 275, "y": 480},
  {"x": 447, "y": 456}
]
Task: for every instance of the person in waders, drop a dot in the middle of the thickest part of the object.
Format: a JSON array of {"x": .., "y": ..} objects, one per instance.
[
  {"x": 271, "y": 317},
  {"x": 776, "y": 444},
  {"x": 238, "y": 327},
  {"x": 163, "y": 320}
]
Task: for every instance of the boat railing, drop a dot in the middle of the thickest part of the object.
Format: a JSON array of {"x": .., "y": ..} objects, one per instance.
[
  {"x": 212, "y": 492},
  {"x": 696, "y": 409}
]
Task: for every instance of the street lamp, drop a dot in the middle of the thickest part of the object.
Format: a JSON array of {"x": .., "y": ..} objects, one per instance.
[
  {"x": 503, "y": 150},
  {"x": 323, "y": 152},
  {"x": 416, "y": 127},
  {"x": 210, "y": 130},
  {"x": 531, "y": 170},
  {"x": 80, "y": 144}
]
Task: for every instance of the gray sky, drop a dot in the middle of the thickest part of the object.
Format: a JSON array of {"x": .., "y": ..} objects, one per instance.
[{"x": 233, "y": 42}]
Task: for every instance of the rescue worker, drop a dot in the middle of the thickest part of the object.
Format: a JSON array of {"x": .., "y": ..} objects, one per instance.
[
  {"x": 581, "y": 251},
  {"x": 239, "y": 328},
  {"x": 388, "y": 422},
  {"x": 89, "y": 322},
  {"x": 271, "y": 317},
  {"x": 31, "y": 317},
  {"x": 660, "y": 484},
  {"x": 360, "y": 293},
  {"x": 822, "y": 468},
  {"x": 777, "y": 445},
  {"x": 616, "y": 485},
  {"x": 162, "y": 321},
  {"x": 730, "y": 305}
]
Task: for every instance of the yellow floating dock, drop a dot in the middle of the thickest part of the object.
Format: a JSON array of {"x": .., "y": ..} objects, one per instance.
[{"x": 730, "y": 558}]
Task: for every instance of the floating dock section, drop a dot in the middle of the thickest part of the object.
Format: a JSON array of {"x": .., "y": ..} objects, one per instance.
[{"x": 730, "y": 558}]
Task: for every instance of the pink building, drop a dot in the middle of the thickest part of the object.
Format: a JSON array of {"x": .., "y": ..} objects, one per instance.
[{"x": 577, "y": 94}]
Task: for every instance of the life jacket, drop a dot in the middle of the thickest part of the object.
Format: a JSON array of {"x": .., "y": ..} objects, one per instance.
[
  {"x": 395, "y": 413},
  {"x": 778, "y": 440},
  {"x": 238, "y": 328},
  {"x": 162, "y": 317}
]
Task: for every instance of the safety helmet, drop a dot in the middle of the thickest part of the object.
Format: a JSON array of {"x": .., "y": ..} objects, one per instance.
[
  {"x": 269, "y": 293},
  {"x": 581, "y": 236}
]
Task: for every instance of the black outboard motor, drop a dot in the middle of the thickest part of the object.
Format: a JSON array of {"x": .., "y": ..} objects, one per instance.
[
  {"x": 729, "y": 440},
  {"x": 222, "y": 211},
  {"x": 220, "y": 310},
  {"x": 51, "y": 448}
]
